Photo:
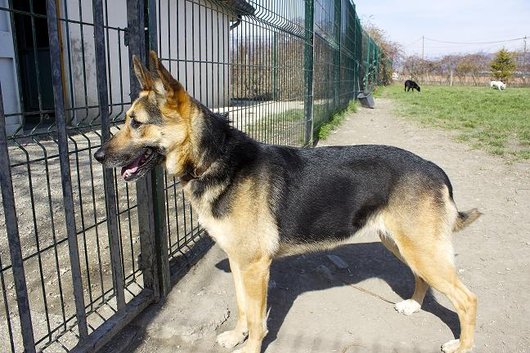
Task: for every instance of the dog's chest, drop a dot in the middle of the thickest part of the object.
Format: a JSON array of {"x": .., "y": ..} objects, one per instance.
[
  {"x": 221, "y": 230},
  {"x": 245, "y": 228}
]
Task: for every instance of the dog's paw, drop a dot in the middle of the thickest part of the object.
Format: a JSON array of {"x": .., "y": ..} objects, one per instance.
[
  {"x": 407, "y": 307},
  {"x": 230, "y": 339},
  {"x": 453, "y": 346}
]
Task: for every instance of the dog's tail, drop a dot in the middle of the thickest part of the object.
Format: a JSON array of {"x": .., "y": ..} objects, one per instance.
[{"x": 466, "y": 218}]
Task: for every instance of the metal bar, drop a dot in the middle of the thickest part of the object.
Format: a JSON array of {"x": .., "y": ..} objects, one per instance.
[
  {"x": 336, "y": 54},
  {"x": 275, "y": 65},
  {"x": 104, "y": 333},
  {"x": 137, "y": 40},
  {"x": 108, "y": 174},
  {"x": 60, "y": 116},
  {"x": 157, "y": 176},
  {"x": 309, "y": 53},
  {"x": 13, "y": 237},
  {"x": 6, "y": 304}
]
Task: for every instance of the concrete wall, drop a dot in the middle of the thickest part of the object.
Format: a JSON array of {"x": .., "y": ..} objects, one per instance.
[
  {"x": 8, "y": 77},
  {"x": 79, "y": 60},
  {"x": 197, "y": 36}
]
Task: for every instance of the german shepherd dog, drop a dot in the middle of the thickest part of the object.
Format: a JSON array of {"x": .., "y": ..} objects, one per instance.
[
  {"x": 411, "y": 85},
  {"x": 262, "y": 201}
]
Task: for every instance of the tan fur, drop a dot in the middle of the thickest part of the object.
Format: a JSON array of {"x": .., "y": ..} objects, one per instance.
[
  {"x": 415, "y": 226},
  {"x": 250, "y": 239},
  {"x": 420, "y": 235},
  {"x": 466, "y": 218}
]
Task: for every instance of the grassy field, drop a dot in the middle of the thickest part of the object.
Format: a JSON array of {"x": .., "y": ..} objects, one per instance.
[{"x": 498, "y": 122}]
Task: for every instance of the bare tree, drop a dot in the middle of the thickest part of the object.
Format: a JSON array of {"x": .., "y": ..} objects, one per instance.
[{"x": 391, "y": 52}]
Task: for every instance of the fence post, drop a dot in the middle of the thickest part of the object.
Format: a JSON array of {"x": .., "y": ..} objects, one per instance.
[
  {"x": 336, "y": 58},
  {"x": 13, "y": 237},
  {"x": 66, "y": 181},
  {"x": 118, "y": 278},
  {"x": 136, "y": 43},
  {"x": 157, "y": 177},
  {"x": 151, "y": 216},
  {"x": 309, "y": 52},
  {"x": 275, "y": 66},
  {"x": 356, "y": 49}
]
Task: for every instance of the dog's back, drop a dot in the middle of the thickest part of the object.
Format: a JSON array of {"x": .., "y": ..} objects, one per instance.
[
  {"x": 498, "y": 85},
  {"x": 411, "y": 85},
  {"x": 327, "y": 194}
]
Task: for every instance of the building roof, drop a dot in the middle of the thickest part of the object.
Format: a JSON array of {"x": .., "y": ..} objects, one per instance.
[{"x": 240, "y": 7}]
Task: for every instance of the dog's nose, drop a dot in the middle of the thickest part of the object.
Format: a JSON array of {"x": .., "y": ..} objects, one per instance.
[{"x": 100, "y": 155}]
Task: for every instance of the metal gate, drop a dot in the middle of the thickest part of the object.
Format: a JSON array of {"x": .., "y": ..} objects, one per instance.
[{"x": 85, "y": 252}]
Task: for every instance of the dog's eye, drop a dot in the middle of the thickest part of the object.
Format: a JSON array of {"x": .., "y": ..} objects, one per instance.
[{"x": 135, "y": 124}]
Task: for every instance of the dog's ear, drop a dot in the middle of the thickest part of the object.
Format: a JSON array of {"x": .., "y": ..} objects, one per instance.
[
  {"x": 142, "y": 74},
  {"x": 171, "y": 88}
]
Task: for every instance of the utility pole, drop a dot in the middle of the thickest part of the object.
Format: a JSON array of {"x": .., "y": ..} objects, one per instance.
[
  {"x": 524, "y": 61},
  {"x": 423, "y": 47}
]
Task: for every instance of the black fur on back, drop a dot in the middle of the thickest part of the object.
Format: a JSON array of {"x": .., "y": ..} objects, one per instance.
[
  {"x": 233, "y": 152},
  {"x": 330, "y": 192},
  {"x": 314, "y": 193},
  {"x": 411, "y": 85}
]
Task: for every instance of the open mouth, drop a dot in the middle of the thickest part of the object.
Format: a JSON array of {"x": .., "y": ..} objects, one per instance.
[{"x": 140, "y": 165}]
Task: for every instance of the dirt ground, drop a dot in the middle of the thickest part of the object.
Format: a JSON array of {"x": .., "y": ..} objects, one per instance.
[{"x": 318, "y": 304}]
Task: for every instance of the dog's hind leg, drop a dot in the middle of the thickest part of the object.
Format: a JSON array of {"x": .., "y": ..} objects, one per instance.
[
  {"x": 432, "y": 260},
  {"x": 420, "y": 221},
  {"x": 440, "y": 273},
  {"x": 232, "y": 338},
  {"x": 412, "y": 305}
]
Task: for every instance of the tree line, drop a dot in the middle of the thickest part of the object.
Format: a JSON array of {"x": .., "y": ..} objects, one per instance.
[
  {"x": 469, "y": 69},
  {"x": 512, "y": 67}
]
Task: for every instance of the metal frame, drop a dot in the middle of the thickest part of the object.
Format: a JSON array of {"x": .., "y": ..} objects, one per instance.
[{"x": 85, "y": 253}]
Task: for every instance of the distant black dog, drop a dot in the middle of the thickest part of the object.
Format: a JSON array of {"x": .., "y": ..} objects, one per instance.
[{"x": 411, "y": 85}]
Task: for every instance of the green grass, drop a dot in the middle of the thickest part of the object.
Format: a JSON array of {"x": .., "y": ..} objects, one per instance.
[
  {"x": 280, "y": 128},
  {"x": 288, "y": 127},
  {"x": 336, "y": 119},
  {"x": 498, "y": 122}
]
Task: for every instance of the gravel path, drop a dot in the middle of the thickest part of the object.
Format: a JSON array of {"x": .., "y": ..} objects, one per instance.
[{"x": 317, "y": 305}]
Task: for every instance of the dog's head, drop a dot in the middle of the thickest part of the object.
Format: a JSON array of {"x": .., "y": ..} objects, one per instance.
[{"x": 157, "y": 126}]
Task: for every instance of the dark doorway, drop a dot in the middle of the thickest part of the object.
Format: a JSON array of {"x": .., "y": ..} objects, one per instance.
[{"x": 33, "y": 51}]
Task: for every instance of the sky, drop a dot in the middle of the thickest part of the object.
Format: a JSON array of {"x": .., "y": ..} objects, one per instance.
[{"x": 460, "y": 21}]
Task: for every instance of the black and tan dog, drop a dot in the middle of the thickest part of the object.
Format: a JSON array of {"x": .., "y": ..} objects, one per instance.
[{"x": 261, "y": 201}]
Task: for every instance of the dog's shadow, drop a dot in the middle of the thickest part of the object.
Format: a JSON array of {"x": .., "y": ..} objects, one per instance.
[{"x": 293, "y": 275}]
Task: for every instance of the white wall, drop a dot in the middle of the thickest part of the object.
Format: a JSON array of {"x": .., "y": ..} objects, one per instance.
[
  {"x": 8, "y": 77},
  {"x": 79, "y": 60},
  {"x": 197, "y": 35}
]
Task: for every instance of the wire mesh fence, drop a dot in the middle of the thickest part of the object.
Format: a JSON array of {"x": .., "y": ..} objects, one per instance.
[{"x": 86, "y": 252}]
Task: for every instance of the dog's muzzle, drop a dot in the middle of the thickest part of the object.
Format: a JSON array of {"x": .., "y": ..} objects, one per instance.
[{"x": 134, "y": 164}]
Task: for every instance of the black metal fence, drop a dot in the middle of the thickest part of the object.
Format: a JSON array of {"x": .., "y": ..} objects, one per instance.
[{"x": 85, "y": 252}]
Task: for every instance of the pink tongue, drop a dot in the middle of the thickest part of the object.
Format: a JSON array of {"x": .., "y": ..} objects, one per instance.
[{"x": 132, "y": 167}]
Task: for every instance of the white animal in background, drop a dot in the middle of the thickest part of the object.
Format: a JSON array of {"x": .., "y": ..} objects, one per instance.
[{"x": 498, "y": 85}]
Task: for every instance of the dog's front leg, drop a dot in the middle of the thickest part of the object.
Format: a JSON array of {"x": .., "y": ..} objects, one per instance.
[
  {"x": 255, "y": 282},
  {"x": 232, "y": 338}
]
